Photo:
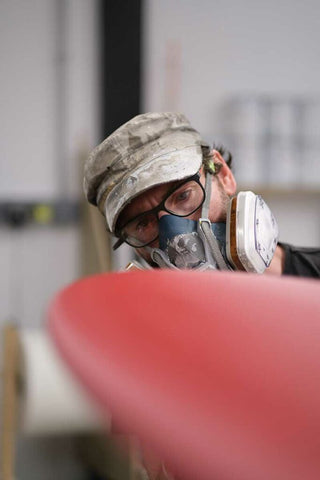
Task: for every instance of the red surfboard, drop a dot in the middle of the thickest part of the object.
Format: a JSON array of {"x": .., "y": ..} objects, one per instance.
[{"x": 218, "y": 372}]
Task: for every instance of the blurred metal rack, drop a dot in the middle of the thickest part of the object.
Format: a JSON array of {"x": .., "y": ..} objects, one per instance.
[{"x": 18, "y": 214}]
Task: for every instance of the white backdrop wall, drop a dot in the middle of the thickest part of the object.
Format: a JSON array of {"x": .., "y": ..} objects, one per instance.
[
  {"x": 216, "y": 48},
  {"x": 199, "y": 54},
  {"x": 48, "y": 119}
]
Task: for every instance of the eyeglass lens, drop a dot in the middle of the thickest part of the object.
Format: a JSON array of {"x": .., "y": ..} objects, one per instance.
[{"x": 183, "y": 201}]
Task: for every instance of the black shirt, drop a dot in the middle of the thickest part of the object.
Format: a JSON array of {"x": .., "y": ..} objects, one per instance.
[{"x": 301, "y": 262}]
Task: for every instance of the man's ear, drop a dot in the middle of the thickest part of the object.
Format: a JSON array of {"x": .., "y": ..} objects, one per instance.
[{"x": 225, "y": 175}]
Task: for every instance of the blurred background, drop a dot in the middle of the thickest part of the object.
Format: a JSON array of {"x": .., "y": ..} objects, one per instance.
[{"x": 246, "y": 74}]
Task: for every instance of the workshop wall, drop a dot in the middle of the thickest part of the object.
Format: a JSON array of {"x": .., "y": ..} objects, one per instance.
[
  {"x": 219, "y": 62},
  {"x": 49, "y": 121}
]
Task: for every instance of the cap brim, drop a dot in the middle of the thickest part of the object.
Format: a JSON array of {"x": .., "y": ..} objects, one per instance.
[{"x": 168, "y": 167}]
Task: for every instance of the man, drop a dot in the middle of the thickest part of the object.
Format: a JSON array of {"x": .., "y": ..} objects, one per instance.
[{"x": 163, "y": 191}]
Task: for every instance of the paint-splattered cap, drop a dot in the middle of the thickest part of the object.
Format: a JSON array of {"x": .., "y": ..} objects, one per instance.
[{"x": 150, "y": 149}]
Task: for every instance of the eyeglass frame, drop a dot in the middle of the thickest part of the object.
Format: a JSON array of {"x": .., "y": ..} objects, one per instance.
[{"x": 158, "y": 208}]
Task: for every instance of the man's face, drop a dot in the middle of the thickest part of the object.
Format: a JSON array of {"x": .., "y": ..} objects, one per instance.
[{"x": 223, "y": 186}]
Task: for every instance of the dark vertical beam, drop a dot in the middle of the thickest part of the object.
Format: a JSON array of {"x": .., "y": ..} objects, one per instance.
[
  {"x": 121, "y": 39},
  {"x": 61, "y": 22}
]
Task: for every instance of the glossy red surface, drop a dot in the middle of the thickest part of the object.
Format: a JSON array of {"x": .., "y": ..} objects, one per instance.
[{"x": 218, "y": 372}]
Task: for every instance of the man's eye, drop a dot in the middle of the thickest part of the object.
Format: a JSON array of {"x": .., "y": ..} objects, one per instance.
[
  {"x": 183, "y": 195},
  {"x": 142, "y": 224}
]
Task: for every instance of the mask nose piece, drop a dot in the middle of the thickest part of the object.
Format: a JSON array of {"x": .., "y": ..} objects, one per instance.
[
  {"x": 179, "y": 239},
  {"x": 170, "y": 226}
]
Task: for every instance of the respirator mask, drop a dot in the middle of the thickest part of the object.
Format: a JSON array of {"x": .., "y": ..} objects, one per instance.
[{"x": 247, "y": 241}]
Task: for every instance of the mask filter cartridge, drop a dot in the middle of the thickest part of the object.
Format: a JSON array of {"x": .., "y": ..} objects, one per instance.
[{"x": 252, "y": 233}]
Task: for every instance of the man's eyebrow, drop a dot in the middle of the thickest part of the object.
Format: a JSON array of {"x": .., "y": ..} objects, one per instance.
[{"x": 124, "y": 218}]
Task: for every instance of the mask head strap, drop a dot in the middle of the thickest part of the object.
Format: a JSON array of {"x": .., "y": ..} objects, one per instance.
[{"x": 206, "y": 203}]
